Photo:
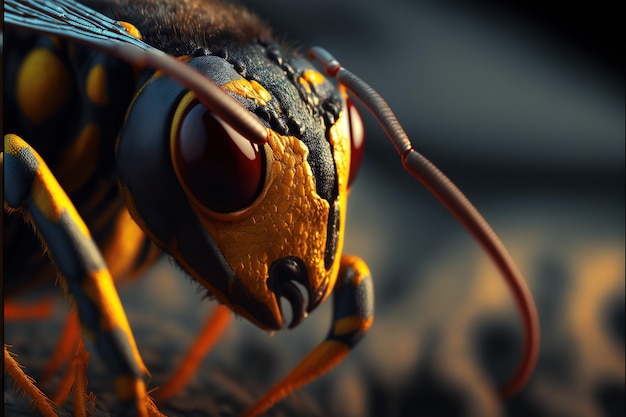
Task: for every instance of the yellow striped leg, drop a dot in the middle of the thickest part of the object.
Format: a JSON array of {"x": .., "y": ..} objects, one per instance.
[
  {"x": 353, "y": 314},
  {"x": 30, "y": 187}
]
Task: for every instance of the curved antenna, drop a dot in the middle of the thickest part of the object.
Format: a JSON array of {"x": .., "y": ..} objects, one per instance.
[
  {"x": 456, "y": 202},
  {"x": 76, "y": 22}
]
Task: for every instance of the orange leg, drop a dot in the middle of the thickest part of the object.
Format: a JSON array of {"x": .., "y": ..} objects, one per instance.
[
  {"x": 76, "y": 380},
  {"x": 39, "y": 310},
  {"x": 64, "y": 350},
  {"x": 26, "y": 384},
  {"x": 80, "y": 381},
  {"x": 153, "y": 411},
  {"x": 353, "y": 314},
  {"x": 66, "y": 347},
  {"x": 212, "y": 330},
  {"x": 65, "y": 386}
]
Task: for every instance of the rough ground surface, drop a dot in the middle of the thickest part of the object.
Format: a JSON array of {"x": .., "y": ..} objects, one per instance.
[{"x": 445, "y": 329}]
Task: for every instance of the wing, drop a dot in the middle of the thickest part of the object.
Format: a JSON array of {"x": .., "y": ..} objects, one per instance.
[
  {"x": 70, "y": 20},
  {"x": 75, "y": 22}
]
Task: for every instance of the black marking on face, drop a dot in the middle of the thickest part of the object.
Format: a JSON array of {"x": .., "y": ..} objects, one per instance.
[{"x": 332, "y": 235}]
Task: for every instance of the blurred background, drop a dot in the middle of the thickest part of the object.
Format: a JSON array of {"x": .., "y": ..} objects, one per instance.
[{"x": 522, "y": 105}]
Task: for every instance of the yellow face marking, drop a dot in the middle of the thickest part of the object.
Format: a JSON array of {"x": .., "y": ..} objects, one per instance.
[
  {"x": 305, "y": 84},
  {"x": 313, "y": 77},
  {"x": 310, "y": 78},
  {"x": 43, "y": 85},
  {"x": 131, "y": 29},
  {"x": 97, "y": 85},
  {"x": 249, "y": 89},
  {"x": 79, "y": 161},
  {"x": 290, "y": 219},
  {"x": 251, "y": 244}
]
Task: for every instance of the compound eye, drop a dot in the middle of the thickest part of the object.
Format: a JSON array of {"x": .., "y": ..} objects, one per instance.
[
  {"x": 221, "y": 169},
  {"x": 357, "y": 139}
]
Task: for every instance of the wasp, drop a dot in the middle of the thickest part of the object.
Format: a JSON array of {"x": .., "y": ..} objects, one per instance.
[{"x": 135, "y": 128}]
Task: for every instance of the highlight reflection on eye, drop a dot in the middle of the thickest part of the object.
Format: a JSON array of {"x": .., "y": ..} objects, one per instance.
[
  {"x": 357, "y": 139},
  {"x": 223, "y": 170}
]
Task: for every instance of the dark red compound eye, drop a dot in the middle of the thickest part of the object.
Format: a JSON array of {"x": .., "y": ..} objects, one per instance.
[
  {"x": 357, "y": 139},
  {"x": 223, "y": 170}
]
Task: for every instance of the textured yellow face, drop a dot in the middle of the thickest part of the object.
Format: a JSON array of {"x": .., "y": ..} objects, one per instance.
[{"x": 289, "y": 219}]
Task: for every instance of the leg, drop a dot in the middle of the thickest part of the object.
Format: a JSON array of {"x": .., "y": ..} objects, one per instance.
[
  {"x": 353, "y": 314},
  {"x": 64, "y": 351},
  {"x": 40, "y": 310},
  {"x": 27, "y": 385},
  {"x": 31, "y": 188},
  {"x": 67, "y": 351},
  {"x": 74, "y": 380},
  {"x": 68, "y": 341},
  {"x": 212, "y": 330},
  {"x": 81, "y": 398},
  {"x": 66, "y": 347}
]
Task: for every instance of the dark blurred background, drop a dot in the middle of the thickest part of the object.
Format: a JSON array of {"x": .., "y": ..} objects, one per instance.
[
  {"x": 522, "y": 105},
  {"x": 497, "y": 82}
]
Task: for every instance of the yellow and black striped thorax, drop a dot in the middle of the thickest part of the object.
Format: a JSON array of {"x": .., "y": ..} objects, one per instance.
[{"x": 68, "y": 102}]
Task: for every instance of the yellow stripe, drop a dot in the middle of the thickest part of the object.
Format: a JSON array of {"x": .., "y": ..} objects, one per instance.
[
  {"x": 357, "y": 265},
  {"x": 129, "y": 387},
  {"x": 99, "y": 288},
  {"x": 351, "y": 324},
  {"x": 47, "y": 194}
]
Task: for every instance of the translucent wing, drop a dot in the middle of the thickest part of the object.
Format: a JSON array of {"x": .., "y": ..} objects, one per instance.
[{"x": 76, "y": 22}]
